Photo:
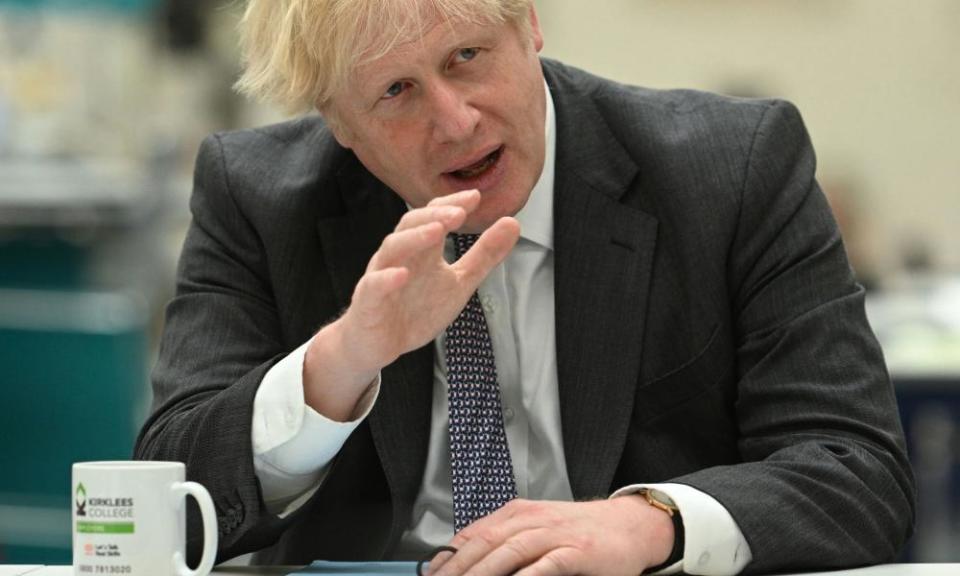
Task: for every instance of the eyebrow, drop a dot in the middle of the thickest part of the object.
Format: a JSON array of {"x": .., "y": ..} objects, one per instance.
[{"x": 477, "y": 35}]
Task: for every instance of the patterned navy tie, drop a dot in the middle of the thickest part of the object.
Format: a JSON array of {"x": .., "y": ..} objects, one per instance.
[{"x": 481, "y": 469}]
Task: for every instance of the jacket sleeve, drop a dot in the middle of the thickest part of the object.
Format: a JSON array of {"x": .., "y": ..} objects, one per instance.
[
  {"x": 825, "y": 481},
  {"x": 221, "y": 336}
]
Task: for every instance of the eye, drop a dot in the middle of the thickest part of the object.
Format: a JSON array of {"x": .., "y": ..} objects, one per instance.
[
  {"x": 394, "y": 90},
  {"x": 465, "y": 55}
]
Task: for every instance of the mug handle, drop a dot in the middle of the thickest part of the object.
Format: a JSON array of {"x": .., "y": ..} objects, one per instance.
[{"x": 200, "y": 494}]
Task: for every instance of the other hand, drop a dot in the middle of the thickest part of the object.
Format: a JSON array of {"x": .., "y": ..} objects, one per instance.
[{"x": 623, "y": 535}]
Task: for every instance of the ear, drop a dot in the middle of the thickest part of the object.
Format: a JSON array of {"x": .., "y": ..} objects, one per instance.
[
  {"x": 535, "y": 34},
  {"x": 340, "y": 132}
]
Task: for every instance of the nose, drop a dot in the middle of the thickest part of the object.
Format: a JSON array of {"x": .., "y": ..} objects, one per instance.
[{"x": 453, "y": 117}]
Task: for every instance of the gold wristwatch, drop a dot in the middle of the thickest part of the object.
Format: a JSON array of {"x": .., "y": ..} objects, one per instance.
[
  {"x": 659, "y": 500},
  {"x": 663, "y": 502}
]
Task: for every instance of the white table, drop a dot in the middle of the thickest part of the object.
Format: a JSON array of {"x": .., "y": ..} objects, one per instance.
[
  {"x": 896, "y": 570},
  {"x": 882, "y": 570}
]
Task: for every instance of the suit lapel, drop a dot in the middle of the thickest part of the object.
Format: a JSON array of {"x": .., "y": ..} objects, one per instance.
[
  {"x": 400, "y": 419},
  {"x": 604, "y": 254}
]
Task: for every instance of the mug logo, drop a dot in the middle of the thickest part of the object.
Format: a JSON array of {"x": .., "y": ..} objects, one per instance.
[{"x": 81, "y": 500}]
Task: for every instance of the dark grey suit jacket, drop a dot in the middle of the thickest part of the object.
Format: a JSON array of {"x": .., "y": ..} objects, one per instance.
[{"x": 709, "y": 330}]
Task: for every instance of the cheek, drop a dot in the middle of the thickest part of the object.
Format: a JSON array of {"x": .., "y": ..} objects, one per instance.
[
  {"x": 402, "y": 146},
  {"x": 395, "y": 150}
]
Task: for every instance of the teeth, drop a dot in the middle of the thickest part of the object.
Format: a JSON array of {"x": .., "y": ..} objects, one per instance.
[
  {"x": 471, "y": 172},
  {"x": 477, "y": 168}
]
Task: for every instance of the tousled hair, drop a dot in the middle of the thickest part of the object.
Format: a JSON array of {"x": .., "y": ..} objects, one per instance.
[{"x": 298, "y": 53}]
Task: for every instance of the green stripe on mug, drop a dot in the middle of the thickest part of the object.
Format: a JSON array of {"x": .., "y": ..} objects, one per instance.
[{"x": 105, "y": 527}]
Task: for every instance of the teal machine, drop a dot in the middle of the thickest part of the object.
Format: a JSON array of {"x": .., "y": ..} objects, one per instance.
[
  {"x": 79, "y": 273},
  {"x": 74, "y": 317}
]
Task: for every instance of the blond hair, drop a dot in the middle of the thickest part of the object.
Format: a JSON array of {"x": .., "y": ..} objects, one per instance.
[{"x": 298, "y": 53}]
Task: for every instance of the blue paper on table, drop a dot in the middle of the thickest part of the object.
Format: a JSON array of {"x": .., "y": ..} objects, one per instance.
[{"x": 359, "y": 568}]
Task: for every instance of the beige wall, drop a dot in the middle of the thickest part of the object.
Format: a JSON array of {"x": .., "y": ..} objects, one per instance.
[{"x": 878, "y": 82}]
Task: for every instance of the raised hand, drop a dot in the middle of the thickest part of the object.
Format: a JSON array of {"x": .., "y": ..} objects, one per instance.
[{"x": 407, "y": 296}]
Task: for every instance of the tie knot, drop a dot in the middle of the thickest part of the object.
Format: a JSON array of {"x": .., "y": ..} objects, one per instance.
[{"x": 463, "y": 242}]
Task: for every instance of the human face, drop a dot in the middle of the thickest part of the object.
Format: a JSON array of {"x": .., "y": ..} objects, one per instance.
[{"x": 460, "y": 108}]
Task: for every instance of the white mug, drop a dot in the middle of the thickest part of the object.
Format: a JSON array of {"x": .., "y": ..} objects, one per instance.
[{"x": 129, "y": 517}]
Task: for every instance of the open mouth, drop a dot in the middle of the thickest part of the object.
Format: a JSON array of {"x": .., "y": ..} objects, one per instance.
[{"x": 477, "y": 169}]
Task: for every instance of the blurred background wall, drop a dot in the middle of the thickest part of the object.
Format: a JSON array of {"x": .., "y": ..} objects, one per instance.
[{"x": 103, "y": 104}]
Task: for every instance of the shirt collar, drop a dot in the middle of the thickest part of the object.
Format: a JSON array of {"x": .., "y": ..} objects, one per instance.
[{"x": 536, "y": 216}]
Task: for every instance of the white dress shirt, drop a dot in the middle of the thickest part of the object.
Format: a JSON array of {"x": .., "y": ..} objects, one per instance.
[{"x": 293, "y": 444}]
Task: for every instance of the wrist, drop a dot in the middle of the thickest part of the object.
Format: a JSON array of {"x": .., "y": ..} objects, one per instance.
[
  {"x": 333, "y": 382},
  {"x": 668, "y": 547}
]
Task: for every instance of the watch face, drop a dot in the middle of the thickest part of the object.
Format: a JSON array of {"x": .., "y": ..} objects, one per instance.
[{"x": 659, "y": 501}]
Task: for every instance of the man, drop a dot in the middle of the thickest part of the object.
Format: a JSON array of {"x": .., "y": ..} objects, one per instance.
[{"x": 665, "y": 314}]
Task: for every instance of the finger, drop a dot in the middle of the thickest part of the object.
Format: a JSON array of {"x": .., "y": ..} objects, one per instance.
[
  {"x": 519, "y": 551},
  {"x": 437, "y": 561},
  {"x": 451, "y": 217},
  {"x": 401, "y": 246},
  {"x": 466, "y": 199},
  {"x": 557, "y": 562},
  {"x": 488, "y": 533},
  {"x": 469, "y": 554},
  {"x": 489, "y": 250}
]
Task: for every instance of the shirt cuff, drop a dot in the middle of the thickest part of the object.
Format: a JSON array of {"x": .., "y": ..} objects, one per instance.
[
  {"x": 714, "y": 544},
  {"x": 293, "y": 443}
]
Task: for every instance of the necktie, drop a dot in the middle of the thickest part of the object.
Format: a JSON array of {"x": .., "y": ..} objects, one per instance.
[{"x": 481, "y": 469}]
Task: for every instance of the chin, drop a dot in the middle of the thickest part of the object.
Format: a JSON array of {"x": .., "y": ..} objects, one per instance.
[
  {"x": 484, "y": 218},
  {"x": 477, "y": 226}
]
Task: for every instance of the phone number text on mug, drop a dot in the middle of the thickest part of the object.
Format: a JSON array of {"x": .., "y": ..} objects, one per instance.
[{"x": 87, "y": 569}]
